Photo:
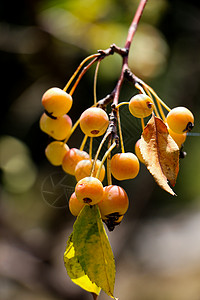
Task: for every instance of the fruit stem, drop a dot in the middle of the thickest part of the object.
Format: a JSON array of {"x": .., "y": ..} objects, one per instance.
[
  {"x": 98, "y": 151},
  {"x": 95, "y": 81},
  {"x": 83, "y": 143},
  {"x": 90, "y": 149},
  {"x": 85, "y": 69},
  {"x": 104, "y": 158},
  {"x": 78, "y": 69},
  {"x": 109, "y": 175},
  {"x": 155, "y": 108},
  {"x": 121, "y": 103},
  {"x": 140, "y": 88},
  {"x": 142, "y": 123},
  {"x": 158, "y": 100},
  {"x": 120, "y": 131},
  {"x": 72, "y": 130}
]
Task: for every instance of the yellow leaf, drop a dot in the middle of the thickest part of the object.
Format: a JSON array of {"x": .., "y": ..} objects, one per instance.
[
  {"x": 75, "y": 270},
  {"x": 160, "y": 152},
  {"x": 93, "y": 249}
]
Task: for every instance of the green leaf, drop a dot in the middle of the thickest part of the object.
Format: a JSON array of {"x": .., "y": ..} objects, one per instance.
[
  {"x": 93, "y": 249},
  {"x": 75, "y": 270}
]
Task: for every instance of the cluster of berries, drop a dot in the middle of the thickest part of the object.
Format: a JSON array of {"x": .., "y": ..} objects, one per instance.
[{"x": 112, "y": 199}]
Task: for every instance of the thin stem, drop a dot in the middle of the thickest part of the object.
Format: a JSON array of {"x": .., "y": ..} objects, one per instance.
[
  {"x": 142, "y": 123},
  {"x": 98, "y": 151},
  {"x": 109, "y": 175},
  {"x": 155, "y": 108},
  {"x": 140, "y": 88},
  {"x": 83, "y": 143},
  {"x": 85, "y": 69},
  {"x": 90, "y": 149},
  {"x": 121, "y": 103},
  {"x": 120, "y": 132},
  {"x": 104, "y": 158},
  {"x": 72, "y": 130},
  {"x": 78, "y": 69},
  {"x": 95, "y": 81}
]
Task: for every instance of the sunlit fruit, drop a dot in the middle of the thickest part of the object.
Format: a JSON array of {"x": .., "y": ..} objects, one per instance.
[
  {"x": 75, "y": 206},
  {"x": 89, "y": 190},
  {"x": 84, "y": 167},
  {"x": 179, "y": 138},
  {"x": 94, "y": 121},
  {"x": 138, "y": 152},
  {"x": 141, "y": 106},
  {"x": 58, "y": 128},
  {"x": 56, "y": 102},
  {"x": 180, "y": 120},
  {"x": 125, "y": 166},
  {"x": 71, "y": 159},
  {"x": 55, "y": 151},
  {"x": 113, "y": 205}
]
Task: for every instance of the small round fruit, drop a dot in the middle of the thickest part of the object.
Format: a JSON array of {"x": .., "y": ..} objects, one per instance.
[
  {"x": 125, "y": 166},
  {"x": 55, "y": 152},
  {"x": 84, "y": 167},
  {"x": 57, "y": 128},
  {"x": 138, "y": 152},
  {"x": 75, "y": 206},
  {"x": 94, "y": 121},
  {"x": 178, "y": 138},
  {"x": 56, "y": 102},
  {"x": 89, "y": 190},
  {"x": 114, "y": 202},
  {"x": 180, "y": 119},
  {"x": 141, "y": 106},
  {"x": 71, "y": 159}
]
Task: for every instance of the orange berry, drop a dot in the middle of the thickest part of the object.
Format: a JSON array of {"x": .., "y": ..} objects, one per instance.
[
  {"x": 75, "y": 206},
  {"x": 178, "y": 138},
  {"x": 71, "y": 158},
  {"x": 180, "y": 120},
  {"x": 89, "y": 190},
  {"x": 55, "y": 152},
  {"x": 94, "y": 121},
  {"x": 141, "y": 106},
  {"x": 57, "y": 128},
  {"x": 84, "y": 167},
  {"x": 124, "y": 166},
  {"x": 113, "y": 205},
  {"x": 138, "y": 152},
  {"x": 56, "y": 102}
]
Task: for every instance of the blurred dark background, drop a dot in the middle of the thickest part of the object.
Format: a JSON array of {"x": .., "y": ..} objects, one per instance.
[{"x": 157, "y": 246}]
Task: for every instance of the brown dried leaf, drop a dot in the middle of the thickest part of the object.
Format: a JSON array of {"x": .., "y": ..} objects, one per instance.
[{"x": 161, "y": 153}]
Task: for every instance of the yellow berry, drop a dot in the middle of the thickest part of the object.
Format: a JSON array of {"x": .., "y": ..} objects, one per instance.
[
  {"x": 56, "y": 102},
  {"x": 141, "y": 106},
  {"x": 94, "y": 121},
  {"x": 57, "y": 128},
  {"x": 89, "y": 190},
  {"x": 125, "y": 166},
  {"x": 180, "y": 120},
  {"x": 71, "y": 159},
  {"x": 84, "y": 167},
  {"x": 55, "y": 152}
]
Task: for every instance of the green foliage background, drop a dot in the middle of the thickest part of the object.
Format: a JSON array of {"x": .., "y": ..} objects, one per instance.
[{"x": 41, "y": 44}]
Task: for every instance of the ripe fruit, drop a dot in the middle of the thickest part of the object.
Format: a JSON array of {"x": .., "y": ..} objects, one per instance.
[
  {"x": 138, "y": 152},
  {"x": 57, "y": 128},
  {"x": 94, "y": 121},
  {"x": 180, "y": 119},
  {"x": 89, "y": 190},
  {"x": 124, "y": 166},
  {"x": 75, "y": 205},
  {"x": 56, "y": 102},
  {"x": 71, "y": 158},
  {"x": 55, "y": 152},
  {"x": 113, "y": 205},
  {"x": 141, "y": 106},
  {"x": 178, "y": 138},
  {"x": 84, "y": 167}
]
